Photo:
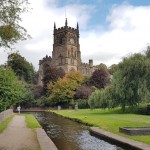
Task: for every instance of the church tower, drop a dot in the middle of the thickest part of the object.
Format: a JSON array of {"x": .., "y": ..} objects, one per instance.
[
  {"x": 66, "y": 48},
  {"x": 66, "y": 53}
]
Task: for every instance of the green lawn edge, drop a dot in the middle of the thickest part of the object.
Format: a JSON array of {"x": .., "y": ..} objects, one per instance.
[
  {"x": 4, "y": 124},
  {"x": 109, "y": 120},
  {"x": 31, "y": 121}
]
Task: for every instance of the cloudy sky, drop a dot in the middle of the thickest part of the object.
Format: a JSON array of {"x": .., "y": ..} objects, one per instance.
[{"x": 109, "y": 29}]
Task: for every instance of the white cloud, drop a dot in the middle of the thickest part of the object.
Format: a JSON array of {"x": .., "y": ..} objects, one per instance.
[
  {"x": 40, "y": 22},
  {"x": 128, "y": 31}
]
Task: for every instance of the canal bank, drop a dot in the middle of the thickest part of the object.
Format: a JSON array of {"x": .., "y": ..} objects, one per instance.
[
  {"x": 112, "y": 138},
  {"x": 70, "y": 135},
  {"x": 17, "y": 136},
  {"x": 119, "y": 139},
  {"x": 44, "y": 141}
]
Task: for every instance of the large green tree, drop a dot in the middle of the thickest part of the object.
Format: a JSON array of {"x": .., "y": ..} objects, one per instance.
[
  {"x": 23, "y": 69},
  {"x": 10, "y": 18},
  {"x": 112, "y": 69},
  {"x": 131, "y": 82},
  {"x": 11, "y": 89},
  {"x": 102, "y": 98}
]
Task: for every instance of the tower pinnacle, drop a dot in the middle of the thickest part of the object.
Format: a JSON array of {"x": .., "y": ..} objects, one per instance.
[
  {"x": 77, "y": 26},
  {"x": 54, "y": 25},
  {"x": 66, "y": 23}
]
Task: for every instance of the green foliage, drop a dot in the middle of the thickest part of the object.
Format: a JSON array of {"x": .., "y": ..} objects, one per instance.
[
  {"x": 98, "y": 99},
  {"x": 43, "y": 102},
  {"x": 113, "y": 68},
  {"x": 21, "y": 67},
  {"x": 28, "y": 99},
  {"x": 64, "y": 89},
  {"x": 11, "y": 89},
  {"x": 147, "y": 52},
  {"x": 82, "y": 103},
  {"x": 4, "y": 124},
  {"x": 31, "y": 121},
  {"x": 131, "y": 82},
  {"x": 102, "y": 98},
  {"x": 51, "y": 74},
  {"x": 101, "y": 65},
  {"x": 10, "y": 30}
]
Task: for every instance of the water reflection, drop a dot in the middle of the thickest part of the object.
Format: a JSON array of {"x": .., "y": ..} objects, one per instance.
[{"x": 69, "y": 135}]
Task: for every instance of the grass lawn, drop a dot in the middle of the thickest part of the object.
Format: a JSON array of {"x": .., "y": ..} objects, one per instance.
[
  {"x": 31, "y": 121},
  {"x": 4, "y": 124},
  {"x": 110, "y": 120}
]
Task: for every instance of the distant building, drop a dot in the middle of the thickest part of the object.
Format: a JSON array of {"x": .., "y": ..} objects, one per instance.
[{"x": 66, "y": 53}]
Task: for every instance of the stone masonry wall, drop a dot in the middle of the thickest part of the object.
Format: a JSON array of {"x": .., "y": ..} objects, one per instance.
[{"x": 5, "y": 114}]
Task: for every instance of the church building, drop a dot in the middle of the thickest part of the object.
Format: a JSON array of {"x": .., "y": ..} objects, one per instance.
[{"x": 66, "y": 53}]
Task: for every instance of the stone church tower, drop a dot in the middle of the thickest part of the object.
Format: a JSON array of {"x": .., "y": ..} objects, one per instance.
[
  {"x": 66, "y": 48},
  {"x": 66, "y": 53}
]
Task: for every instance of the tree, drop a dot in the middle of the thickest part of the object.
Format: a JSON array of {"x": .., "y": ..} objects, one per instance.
[
  {"x": 102, "y": 98},
  {"x": 112, "y": 69},
  {"x": 23, "y": 69},
  {"x": 84, "y": 92},
  {"x": 11, "y": 89},
  {"x": 63, "y": 90},
  {"x": 147, "y": 52},
  {"x": 28, "y": 99},
  {"x": 131, "y": 82},
  {"x": 10, "y": 30},
  {"x": 76, "y": 77},
  {"x": 51, "y": 74},
  {"x": 100, "y": 78},
  {"x": 101, "y": 65}
]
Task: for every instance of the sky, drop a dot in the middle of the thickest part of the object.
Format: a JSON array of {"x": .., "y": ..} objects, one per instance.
[{"x": 109, "y": 29}]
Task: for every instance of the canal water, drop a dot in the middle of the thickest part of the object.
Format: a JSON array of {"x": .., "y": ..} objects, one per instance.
[{"x": 70, "y": 135}]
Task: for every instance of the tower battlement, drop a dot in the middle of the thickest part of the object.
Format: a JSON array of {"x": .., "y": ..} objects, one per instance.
[
  {"x": 45, "y": 59},
  {"x": 66, "y": 28}
]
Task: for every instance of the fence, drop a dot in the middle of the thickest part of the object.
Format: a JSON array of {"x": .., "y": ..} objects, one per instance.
[{"x": 5, "y": 114}]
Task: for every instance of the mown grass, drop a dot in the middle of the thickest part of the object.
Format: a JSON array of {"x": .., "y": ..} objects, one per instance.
[
  {"x": 4, "y": 124},
  {"x": 31, "y": 121},
  {"x": 110, "y": 120}
]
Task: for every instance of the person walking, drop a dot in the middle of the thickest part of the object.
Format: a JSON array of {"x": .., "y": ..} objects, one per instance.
[{"x": 18, "y": 109}]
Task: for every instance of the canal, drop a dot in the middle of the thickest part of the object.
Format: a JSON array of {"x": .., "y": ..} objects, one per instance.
[{"x": 70, "y": 135}]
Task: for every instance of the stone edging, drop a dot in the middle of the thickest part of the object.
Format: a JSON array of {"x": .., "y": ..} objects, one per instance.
[
  {"x": 5, "y": 114},
  {"x": 44, "y": 141},
  {"x": 119, "y": 139}
]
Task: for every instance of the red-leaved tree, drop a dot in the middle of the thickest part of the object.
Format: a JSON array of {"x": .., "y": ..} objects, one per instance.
[{"x": 100, "y": 78}]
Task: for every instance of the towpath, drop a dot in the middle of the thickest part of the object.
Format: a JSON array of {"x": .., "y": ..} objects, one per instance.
[{"x": 18, "y": 137}]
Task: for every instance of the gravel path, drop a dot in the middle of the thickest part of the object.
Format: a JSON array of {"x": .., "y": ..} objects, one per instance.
[{"x": 18, "y": 137}]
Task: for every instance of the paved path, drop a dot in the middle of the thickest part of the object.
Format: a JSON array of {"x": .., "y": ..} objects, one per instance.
[{"x": 18, "y": 137}]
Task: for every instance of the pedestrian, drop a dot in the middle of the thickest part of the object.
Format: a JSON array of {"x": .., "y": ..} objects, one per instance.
[{"x": 18, "y": 109}]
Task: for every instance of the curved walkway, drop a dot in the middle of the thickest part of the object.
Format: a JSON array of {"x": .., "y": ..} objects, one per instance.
[{"x": 18, "y": 137}]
